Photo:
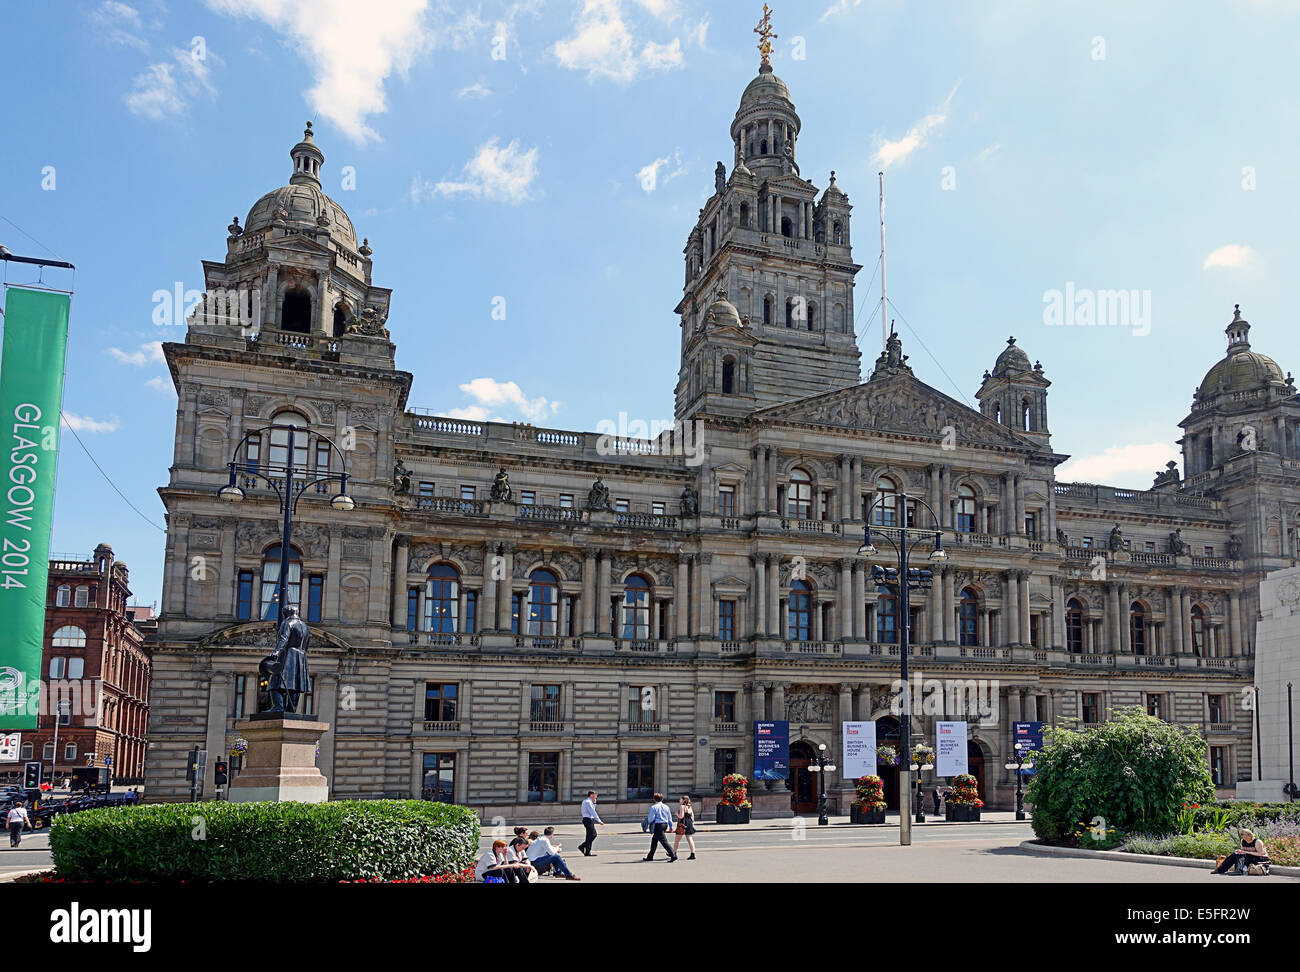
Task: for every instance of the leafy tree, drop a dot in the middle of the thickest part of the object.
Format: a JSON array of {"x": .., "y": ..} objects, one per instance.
[{"x": 1134, "y": 772}]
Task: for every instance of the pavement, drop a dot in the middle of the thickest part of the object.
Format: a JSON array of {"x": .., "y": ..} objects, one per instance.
[{"x": 33, "y": 854}]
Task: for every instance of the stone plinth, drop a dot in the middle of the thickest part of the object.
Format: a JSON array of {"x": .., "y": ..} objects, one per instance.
[{"x": 281, "y": 760}]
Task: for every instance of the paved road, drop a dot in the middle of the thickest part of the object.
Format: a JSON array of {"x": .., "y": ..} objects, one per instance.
[
  {"x": 978, "y": 852},
  {"x": 32, "y": 854}
]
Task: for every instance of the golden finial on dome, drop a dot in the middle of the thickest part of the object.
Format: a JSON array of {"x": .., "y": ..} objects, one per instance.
[{"x": 766, "y": 36}]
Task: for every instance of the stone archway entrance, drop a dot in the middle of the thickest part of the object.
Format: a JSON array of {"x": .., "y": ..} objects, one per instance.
[{"x": 803, "y": 784}]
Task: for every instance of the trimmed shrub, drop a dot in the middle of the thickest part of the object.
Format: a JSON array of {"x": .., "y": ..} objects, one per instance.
[
  {"x": 1135, "y": 772},
  {"x": 1234, "y": 813},
  {"x": 279, "y": 842}
]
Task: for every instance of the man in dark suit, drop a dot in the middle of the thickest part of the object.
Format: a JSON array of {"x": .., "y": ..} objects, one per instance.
[{"x": 289, "y": 679}]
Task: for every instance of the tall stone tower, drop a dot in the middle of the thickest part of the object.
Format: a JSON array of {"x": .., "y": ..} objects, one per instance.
[
  {"x": 1014, "y": 394},
  {"x": 767, "y": 307}
]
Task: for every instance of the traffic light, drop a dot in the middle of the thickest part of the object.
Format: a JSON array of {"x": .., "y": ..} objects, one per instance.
[
  {"x": 220, "y": 773},
  {"x": 31, "y": 776}
]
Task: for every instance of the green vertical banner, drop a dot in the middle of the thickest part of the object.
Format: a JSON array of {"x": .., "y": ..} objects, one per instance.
[{"x": 31, "y": 396}]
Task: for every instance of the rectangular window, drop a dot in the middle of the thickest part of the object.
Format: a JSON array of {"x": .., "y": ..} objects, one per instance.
[
  {"x": 412, "y": 608},
  {"x": 1087, "y": 543},
  {"x": 65, "y": 712},
  {"x": 1209, "y": 551},
  {"x": 439, "y": 783},
  {"x": 440, "y": 701},
  {"x": 1031, "y": 526},
  {"x": 244, "y": 596},
  {"x": 1090, "y": 707},
  {"x": 315, "y": 596},
  {"x": 241, "y": 687},
  {"x": 322, "y": 457},
  {"x": 641, "y": 704},
  {"x": 467, "y": 493},
  {"x": 47, "y": 751},
  {"x": 726, "y": 501},
  {"x": 58, "y": 668},
  {"x": 658, "y": 509},
  {"x": 727, "y": 620},
  {"x": 471, "y": 612},
  {"x": 1216, "y": 708},
  {"x": 253, "y": 452},
  {"x": 543, "y": 777},
  {"x": 514, "y": 613},
  {"x": 1035, "y": 623},
  {"x": 1150, "y": 546},
  {"x": 724, "y": 706},
  {"x": 1218, "y": 765},
  {"x": 622, "y": 506},
  {"x": 1154, "y": 707},
  {"x": 640, "y": 776},
  {"x": 82, "y": 597},
  {"x": 724, "y": 764},
  {"x": 545, "y": 704},
  {"x": 566, "y": 501},
  {"x": 528, "y": 497}
]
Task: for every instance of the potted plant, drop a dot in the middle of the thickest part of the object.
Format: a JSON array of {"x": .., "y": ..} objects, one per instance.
[
  {"x": 923, "y": 755},
  {"x": 886, "y": 755},
  {"x": 965, "y": 803},
  {"x": 869, "y": 807},
  {"x": 734, "y": 806}
]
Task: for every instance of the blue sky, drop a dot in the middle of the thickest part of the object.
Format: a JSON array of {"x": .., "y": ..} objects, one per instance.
[{"x": 554, "y": 154}]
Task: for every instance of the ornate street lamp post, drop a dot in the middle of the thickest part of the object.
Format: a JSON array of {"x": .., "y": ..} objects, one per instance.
[
  {"x": 902, "y": 581},
  {"x": 920, "y": 796},
  {"x": 1024, "y": 761},
  {"x": 821, "y": 769},
  {"x": 288, "y": 491}
]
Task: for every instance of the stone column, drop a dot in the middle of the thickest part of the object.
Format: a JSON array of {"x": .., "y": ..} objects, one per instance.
[
  {"x": 505, "y": 589},
  {"x": 220, "y": 686},
  {"x": 1125, "y": 625},
  {"x": 1023, "y": 588},
  {"x": 327, "y": 699},
  {"x": 758, "y": 603},
  {"x": 681, "y": 597},
  {"x": 703, "y": 595},
  {"x": 602, "y": 593},
  {"x": 774, "y": 597},
  {"x": 844, "y": 606},
  {"x": 1235, "y": 646},
  {"x": 1011, "y": 607},
  {"x": 771, "y": 481},
  {"x": 1058, "y": 612},
  {"x": 859, "y": 601},
  {"x": 778, "y": 701},
  {"x": 588, "y": 596},
  {"x": 949, "y": 621},
  {"x": 1185, "y": 620},
  {"x": 271, "y": 299},
  {"x": 1174, "y": 623},
  {"x": 227, "y": 594},
  {"x": 1112, "y": 636},
  {"x": 401, "y": 556},
  {"x": 945, "y": 496},
  {"x": 1020, "y": 507}
]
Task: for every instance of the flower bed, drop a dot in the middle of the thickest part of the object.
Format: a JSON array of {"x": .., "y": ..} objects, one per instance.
[
  {"x": 869, "y": 807},
  {"x": 1281, "y": 838}
]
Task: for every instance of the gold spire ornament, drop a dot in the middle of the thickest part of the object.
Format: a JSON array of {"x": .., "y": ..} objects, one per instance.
[{"x": 766, "y": 36}]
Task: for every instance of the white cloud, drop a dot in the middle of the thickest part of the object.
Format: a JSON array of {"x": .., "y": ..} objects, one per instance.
[
  {"x": 149, "y": 353},
  {"x": 988, "y": 153},
  {"x": 1234, "y": 256},
  {"x": 1132, "y": 466},
  {"x": 81, "y": 423},
  {"x": 699, "y": 34},
  {"x": 649, "y": 177},
  {"x": 351, "y": 47},
  {"x": 491, "y": 395},
  {"x": 117, "y": 23},
  {"x": 164, "y": 89},
  {"x": 494, "y": 173},
  {"x": 603, "y": 45},
  {"x": 889, "y": 153},
  {"x": 160, "y": 384},
  {"x": 840, "y": 6},
  {"x": 475, "y": 90}
]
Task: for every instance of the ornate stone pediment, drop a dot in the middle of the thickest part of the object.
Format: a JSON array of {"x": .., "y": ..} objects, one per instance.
[{"x": 897, "y": 403}]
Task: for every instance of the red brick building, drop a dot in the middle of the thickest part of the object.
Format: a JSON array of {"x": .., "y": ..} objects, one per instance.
[{"x": 95, "y": 672}]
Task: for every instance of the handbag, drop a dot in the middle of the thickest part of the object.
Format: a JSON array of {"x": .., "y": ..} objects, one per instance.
[
  {"x": 1259, "y": 870},
  {"x": 681, "y": 828}
]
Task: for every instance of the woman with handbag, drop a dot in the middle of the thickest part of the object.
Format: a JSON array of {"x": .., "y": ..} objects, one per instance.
[
  {"x": 1251, "y": 853},
  {"x": 685, "y": 826}
]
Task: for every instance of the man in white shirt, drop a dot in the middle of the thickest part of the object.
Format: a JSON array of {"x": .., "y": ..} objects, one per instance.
[
  {"x": 590, "y": 818},
  {"x": 545, "y": 854},
  {"x": 661, "y": 819},
  {"x": 17, "y": 819}
]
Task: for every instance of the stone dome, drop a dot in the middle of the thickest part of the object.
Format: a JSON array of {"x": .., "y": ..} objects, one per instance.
[
  {"x": 1011, "y": 361},
  {"x": 1241, "y": 368},
  {"x": 722, "y": 313},
  {"x": 303, "y": 207},
  {"x": 766, "y": 87}
]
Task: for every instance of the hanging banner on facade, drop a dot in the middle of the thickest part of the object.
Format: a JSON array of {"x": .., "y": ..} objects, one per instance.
[
  {"x": 31, "y": 395},
  {"x": 11, "y": 743},
  {"x": 771, "y": 750},
  {"x": 859, "y": 749},
  {"x": 951, "y": 758},
  {"x": 1030, "y": 737}
]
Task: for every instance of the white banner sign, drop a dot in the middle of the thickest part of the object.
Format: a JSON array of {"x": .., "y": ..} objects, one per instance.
[
  {"x": 10, "y": 744},
  {"x": 859, "y": 750},
  {"x": 951, "y": 759}
]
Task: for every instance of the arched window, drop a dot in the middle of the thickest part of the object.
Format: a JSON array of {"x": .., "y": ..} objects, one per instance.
[
  {"x": 968, "y": 617},
  {"x": 295, "y": 313},
  {"x": 966, "y": 509},
  {"x": 636, "y": 608},
  {"x": 837, "y": 233},
  {"x": 1026, "y": 416},
  {"x": 543, "y": 603},
  {"x": 271, "y": 581},
  {"x": 69, "y": 636},
  {"x": 787, "y": 227},
  {"x": 442, "y": 599},
  {"x": 886, "y": 512},
  {"x": 63, "y": 597},
  {"x": 997, "y": 413},
  {"x": 798, "y": 500},
  {"x": 812, "y": 317},
  {"x": 767, "y": 309},
  {"x": 279, "y": 451},
  {"x": 1207, "y": 448},
  {"x": 728, "y": 376},
  {"x": 1198, "y": 630},
  {"x": 886, "y": 617},
  {"x": 1074, "y": 626},
  {"x": 744, "y": 215},
  {"x": 799, "y": 612},
  {"x": 1137, "y": 628},
  {"x": 342, "y": 314},
  {"x": 789, "y": 312}
]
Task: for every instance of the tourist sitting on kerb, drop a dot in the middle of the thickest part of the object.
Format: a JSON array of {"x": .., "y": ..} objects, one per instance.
[
  {"x": 496, "y": 863},
  {"x": 545, "y": 855},
  {"x": 1251, "y": 851}
]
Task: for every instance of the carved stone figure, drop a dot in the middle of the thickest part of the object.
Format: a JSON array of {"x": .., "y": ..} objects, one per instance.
[
  {"x": 1234, "y": 547},
  {"x": 1062, "y": 537},
  {"x": 401, "y": 478},
  {"x": 501, "y": 491},
  {"x": 690, "y": 501},
  {"x": 1116, "y": 540},
  {"x": 720, "y": 178},
  {"x": 1178, "y": 546},
  {"x": 286, "y": 667},
  {"x": 1168, "y": 476},
  {"x": 598, "y": 496}
]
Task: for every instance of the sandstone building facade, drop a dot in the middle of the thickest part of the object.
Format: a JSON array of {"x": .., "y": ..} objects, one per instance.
[{"x": 513, "y": 615}]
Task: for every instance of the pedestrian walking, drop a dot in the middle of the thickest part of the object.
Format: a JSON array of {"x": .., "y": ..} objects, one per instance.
[
  {"x": 936, "y": 796},
  {"x": 661, "y": 818},
  {"x": 17, "y": 819},
  {"x": 590, "y": 820},
  {"x": 685, "y": 826}
]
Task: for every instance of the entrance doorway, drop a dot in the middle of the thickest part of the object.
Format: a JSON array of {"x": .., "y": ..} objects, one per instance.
[
  {"x": 889, "y": 733},
  {"x": 803, "y": 784},
  {"x": 975, "y": 765}
]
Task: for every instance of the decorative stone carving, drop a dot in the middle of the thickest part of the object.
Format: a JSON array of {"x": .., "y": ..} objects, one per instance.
[
  {"x": 501, "y": 491},
  {"x": 690, "y": 501},
  {"x": 401, "y": 478},
  {"x": 808, "y": 707},
  {"x": 251, "y": 536},
  {"x": 598, "y": 496},
  {"x": 1234, "y": 547},
  {"x": 1178, "y": 546},
  {"x": 1115, "y": 542},
  {"x": 312, "y": 538}
]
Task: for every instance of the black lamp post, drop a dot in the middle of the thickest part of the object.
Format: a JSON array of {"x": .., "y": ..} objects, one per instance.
[
  {"x": 918, "y": 768},
  {"x": 1023, "y": 759},
  {"x": 288, "y": 490},
  {"x": 902, "y": 581},
  {"x": 821, "y": 769}
]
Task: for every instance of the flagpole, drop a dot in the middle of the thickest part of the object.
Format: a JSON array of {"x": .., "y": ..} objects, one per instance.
[{"x": 884, "y": 307}]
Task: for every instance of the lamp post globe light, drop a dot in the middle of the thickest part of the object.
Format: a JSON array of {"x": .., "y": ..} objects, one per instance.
[
  {"x": 821, "y": 769},
  {"x": 289, "y": 482},
  {"x": 1023, "y": 760},
  {"x": 920, "y": 796},
  {"x": 901, "y": 581}
]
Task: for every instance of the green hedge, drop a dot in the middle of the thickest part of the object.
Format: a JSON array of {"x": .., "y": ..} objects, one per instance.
[
  {"x": 280, "y": 842},
  {"x": 1235, "y": 813}
]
